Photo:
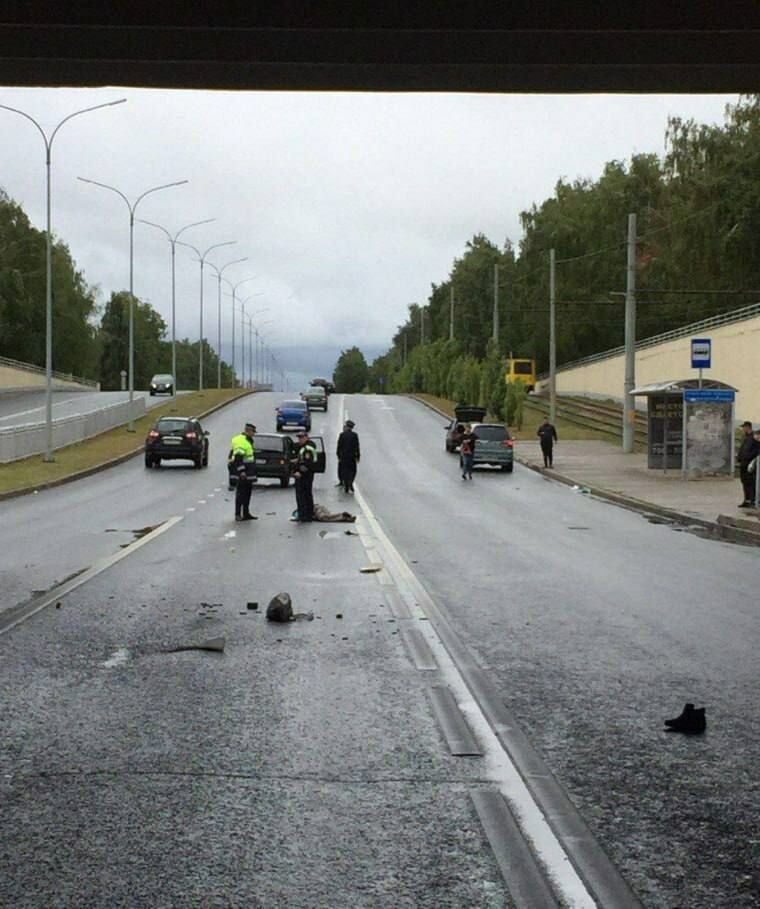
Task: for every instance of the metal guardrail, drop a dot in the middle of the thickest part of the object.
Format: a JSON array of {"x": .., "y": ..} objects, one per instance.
[
  {"x": 726, "y": 318},
  {"x": 40, "y": 371}
]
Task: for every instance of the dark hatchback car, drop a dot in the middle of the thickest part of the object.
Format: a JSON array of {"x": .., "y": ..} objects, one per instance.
[
  {"x": 275, "y": 458},
  {"x": 174, "y": 438},
  {"x": 494, "y": 446},
  {"x": 463, "y": 413}
]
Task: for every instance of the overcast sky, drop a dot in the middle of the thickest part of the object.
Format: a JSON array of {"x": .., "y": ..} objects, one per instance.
[{"x": 347, "y": 206}]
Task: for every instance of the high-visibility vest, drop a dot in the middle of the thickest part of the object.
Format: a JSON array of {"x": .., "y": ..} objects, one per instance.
[{"x": 241, "y": 444}]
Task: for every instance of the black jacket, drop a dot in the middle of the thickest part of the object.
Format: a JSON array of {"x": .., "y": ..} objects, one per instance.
[
  {"x": 547, "y": 433},
  {"x": 748, "y": 450},
  {"x": 348, "y": 446}
]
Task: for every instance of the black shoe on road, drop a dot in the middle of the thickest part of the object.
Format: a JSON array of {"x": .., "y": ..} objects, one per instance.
[
  {"x": 250, "y": 517},
  {"x": 690, "y": 721}
]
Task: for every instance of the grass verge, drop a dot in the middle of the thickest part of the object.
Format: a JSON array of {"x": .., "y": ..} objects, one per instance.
[
  {"x": 532, "y": 419},
  {"x": 33, "y": 472}
]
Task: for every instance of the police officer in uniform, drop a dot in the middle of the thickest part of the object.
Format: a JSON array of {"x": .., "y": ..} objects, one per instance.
[
  {"x": 242, "y": 460},
  {"x": 305, "y": 466}
]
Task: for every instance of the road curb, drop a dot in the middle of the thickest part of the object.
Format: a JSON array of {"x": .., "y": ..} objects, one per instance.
[
  {"x": 104, "y": 465},
  {"x": 722, "y": 529}
]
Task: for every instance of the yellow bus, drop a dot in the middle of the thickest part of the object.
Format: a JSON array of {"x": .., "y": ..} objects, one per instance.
[{"x": 521, "y": 371}]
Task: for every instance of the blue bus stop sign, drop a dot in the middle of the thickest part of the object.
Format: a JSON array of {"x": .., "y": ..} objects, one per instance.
[{"x": 700, "y": 353}]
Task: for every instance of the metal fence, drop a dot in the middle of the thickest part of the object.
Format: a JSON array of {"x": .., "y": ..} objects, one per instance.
[
  {"x": 726, "y": 318},
  {"x": 18, "y": 442},
  {"x": 40, "y": 371}
]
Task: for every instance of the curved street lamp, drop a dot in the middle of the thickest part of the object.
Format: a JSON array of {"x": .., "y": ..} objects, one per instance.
[
  {"x": 202, "y": 260},
  {"x": 219, "y": 273},
  {"x": 132, "y": 206},
  {"x": 234, "y": 288},
  {"x": 173, "y": 240},
  {"x": 49, "y": 266}
]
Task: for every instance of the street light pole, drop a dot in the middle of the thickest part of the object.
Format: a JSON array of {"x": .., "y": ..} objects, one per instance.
[
  {"x": 234, "y": 288},
  {"x": 202, "y": 260},
  {"x": 132, "y": 206},
  {"x": 173, "y": 241},
  {"x": 219, "y": 274},
  {"x": 49, "y": 264}
]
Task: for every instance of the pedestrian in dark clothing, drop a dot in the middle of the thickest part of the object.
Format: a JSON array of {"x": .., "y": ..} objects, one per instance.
[
  {"x": 548, "y": 436},
  {"x": 304, "y": 474},
  {"x": 348, "y": 456},
  {"x": 748, "y": 451},
  {"x": 467, "y": 451}
]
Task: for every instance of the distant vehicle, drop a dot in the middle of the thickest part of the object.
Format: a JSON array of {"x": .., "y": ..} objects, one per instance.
[
  {"x": 162, "y": 384},
  {"x": 275, "y": 457},
  {"x": 323, "y": 383},
  {"x": 293, "y": 413},
  {"x": 315, "y": 397},
  {"x": 463, "y": 413},
  {"x": 174, "y": 438},
  {"x": 521, "y": 371},
  {"x": 494, "y": 446}
]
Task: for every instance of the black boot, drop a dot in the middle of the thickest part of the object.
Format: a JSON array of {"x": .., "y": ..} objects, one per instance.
[
  {"x": 685, "y": 713},
  {"x": 691, "y": 721}
]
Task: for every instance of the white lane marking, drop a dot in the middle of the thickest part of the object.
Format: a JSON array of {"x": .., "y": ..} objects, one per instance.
[
  {"x": 201, "y": 502},
  {"x": 210, "y": 495},
  {"x": 117, "y": 658},
  {"x": 96, "y": 569},
  {"x": 189, "y": 509},
  {"x": 230, "y": 535},
  {"x": 499, "y": 766}
]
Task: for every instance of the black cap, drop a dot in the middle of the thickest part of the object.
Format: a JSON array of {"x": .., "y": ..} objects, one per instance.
[{"x": 350, "y": 424}]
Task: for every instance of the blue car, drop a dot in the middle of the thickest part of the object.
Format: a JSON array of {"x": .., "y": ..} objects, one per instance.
[{"x": 293, "y": 413}]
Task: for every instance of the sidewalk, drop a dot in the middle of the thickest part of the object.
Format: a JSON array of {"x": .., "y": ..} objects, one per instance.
[{"x": 604, "y": 470}]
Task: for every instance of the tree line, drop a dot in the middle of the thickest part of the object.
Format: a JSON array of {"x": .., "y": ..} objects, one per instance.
[
  {"x": 697, "y": 255},
  {"x": 89, "y": 340}
]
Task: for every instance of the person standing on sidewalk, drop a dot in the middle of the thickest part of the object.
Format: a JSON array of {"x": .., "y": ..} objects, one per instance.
[
  {"x": 548, "y": 436},
  {"x": 467, "y": 451},
  {"x": 304, "y": 474},
  {"x": 748, "y": 451},
  {"x": 348, "y": 456},
  {"x": 242, "y": 460}
]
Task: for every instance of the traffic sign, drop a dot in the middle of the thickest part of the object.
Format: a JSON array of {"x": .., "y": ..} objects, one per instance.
[{"x": 700, "y": 353}]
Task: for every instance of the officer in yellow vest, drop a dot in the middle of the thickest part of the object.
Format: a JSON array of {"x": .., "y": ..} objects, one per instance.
[{"x": 242, "y": 460}]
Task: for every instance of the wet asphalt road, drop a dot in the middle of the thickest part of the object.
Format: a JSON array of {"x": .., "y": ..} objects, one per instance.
[
  {"x": 29, "y": 407},
  {"x": 302, "y": 769}
]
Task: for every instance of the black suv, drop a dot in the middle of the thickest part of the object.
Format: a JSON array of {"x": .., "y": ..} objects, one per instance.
[{"x": 176, "y": 437}]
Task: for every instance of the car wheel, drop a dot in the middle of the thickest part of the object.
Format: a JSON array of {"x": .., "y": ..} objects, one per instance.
[
  {"x": 148, "y": 461},
  {"x": 507, "y": 467},
  {"x": 205, "y": 458},
  {"x": 284, "y": 481},
  {"x": 198, "y": 461},
  {"x": 156, "y": 462},
  {"x": 152, "y": 393},
  {"x": 279, "y": 427}
]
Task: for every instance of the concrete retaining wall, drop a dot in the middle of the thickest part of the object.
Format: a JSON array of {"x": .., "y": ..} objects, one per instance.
[
  {"x": 735, "y": 360},
  {"x": 18, "y": 442},
  {"x": 16, "y": 376}
]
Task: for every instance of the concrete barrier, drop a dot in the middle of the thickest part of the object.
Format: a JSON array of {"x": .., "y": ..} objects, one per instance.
[{"x": 28, "y": 439}]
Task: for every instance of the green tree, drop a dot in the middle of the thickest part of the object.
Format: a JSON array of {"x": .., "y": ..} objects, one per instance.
[
  {"x": 351, "y": 371},
  {"x": 149, "y": 329}
]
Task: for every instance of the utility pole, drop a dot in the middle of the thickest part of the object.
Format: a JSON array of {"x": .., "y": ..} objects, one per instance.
[
  {"x": 422, "y": 326},
  {"x": 552, "y": 338},
  {"x": 451, "y": 312},
  {"x": 629, "y": 405},
  {"x": 405, "y": 354},
  {"x": 496, "y": 306}
]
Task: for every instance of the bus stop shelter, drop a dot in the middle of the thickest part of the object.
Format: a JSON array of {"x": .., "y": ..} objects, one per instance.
[{"x": 691, "y": 426}]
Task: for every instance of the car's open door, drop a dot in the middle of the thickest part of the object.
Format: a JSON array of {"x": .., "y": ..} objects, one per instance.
[{"x": 319, "y": 444}]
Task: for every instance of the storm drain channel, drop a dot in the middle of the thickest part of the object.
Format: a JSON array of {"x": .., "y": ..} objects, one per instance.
[{"x": 549, "y": 858}]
